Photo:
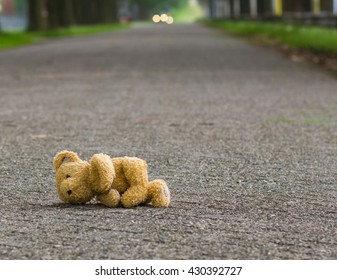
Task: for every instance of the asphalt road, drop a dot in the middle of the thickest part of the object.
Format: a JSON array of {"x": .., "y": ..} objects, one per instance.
[{"x": 246, "y": 139}]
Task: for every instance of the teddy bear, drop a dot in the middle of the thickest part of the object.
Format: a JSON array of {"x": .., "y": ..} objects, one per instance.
[{"x": 113, "y": 181}]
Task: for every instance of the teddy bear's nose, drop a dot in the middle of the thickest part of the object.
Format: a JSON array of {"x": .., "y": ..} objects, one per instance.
[{"x": 69, "y": 192}]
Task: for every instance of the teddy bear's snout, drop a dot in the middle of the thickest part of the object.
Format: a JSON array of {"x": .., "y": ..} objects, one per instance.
[{"x": 69, "y": 192}]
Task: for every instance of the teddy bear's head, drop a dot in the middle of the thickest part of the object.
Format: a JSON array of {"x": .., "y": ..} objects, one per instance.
[{"x": 78, "y": 181}]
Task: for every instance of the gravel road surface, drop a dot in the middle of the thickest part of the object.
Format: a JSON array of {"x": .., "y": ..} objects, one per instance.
[{"x": 246, "y": 139}]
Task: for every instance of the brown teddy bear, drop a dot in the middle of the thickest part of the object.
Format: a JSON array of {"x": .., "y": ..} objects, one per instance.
[{"x": 113, "y": 181}]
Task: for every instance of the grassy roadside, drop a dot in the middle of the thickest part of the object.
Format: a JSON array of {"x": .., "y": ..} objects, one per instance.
[
  {"x": 20, "y": 38},
  {"x": 317, "y": 39}
]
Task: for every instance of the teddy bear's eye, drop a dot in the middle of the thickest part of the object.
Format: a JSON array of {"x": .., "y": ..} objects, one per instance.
[
  {"x": 69, "y": 192},
  {"x": 68, "y": 176}
]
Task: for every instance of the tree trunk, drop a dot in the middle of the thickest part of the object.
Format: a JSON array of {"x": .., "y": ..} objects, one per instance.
[
  {"x": 78, "y": 11},
  {"x": 112, "y": 10},
  {"x": 37, "y": 14},
  {"x": 65, "y": 13},
  {"x": 52, "y": 14}
]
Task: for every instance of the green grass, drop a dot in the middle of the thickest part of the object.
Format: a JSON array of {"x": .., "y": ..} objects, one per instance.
[
  {"x": 18, "y": 38},
  {"x": 13, "y": 39},
  {"x": 294, "y": 36}
]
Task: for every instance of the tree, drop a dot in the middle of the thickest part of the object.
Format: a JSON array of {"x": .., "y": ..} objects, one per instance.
[
  {"x": 107, "y": 10},
  {"x": 51, "y": 14},
  {"x": 37, "y": 15},
  {"x": 65, "y": 13}
]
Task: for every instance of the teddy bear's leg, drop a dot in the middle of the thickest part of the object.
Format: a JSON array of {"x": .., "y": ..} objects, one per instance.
[
  {"x": 135, "y": 171},
  {"x": 159, "y": 194},
  {"x": 134, "y": 196},
  {"x": 110, "y": 199}
]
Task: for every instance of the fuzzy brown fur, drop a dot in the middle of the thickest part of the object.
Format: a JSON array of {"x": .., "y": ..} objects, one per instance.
[{"x": 113, "y": 181}]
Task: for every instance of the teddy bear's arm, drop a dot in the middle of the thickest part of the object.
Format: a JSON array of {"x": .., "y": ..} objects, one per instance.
[
  {"x": 135, "y": 171},
  {"x": 101, "y": 173}
]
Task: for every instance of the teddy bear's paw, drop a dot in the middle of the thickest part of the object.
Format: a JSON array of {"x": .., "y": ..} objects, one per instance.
[
  {"x": 110, "y": 199},
  {"x": 159, "y": 193}
]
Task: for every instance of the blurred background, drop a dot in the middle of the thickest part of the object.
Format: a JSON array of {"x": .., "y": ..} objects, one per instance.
[{"x": 37, "y": 15}]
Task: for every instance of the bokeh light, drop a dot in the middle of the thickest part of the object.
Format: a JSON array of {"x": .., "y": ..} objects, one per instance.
[
  {"x": 169, "y": 20},
  {"x": 156, "y": 18},
  {"x": 164, "y": 17}
]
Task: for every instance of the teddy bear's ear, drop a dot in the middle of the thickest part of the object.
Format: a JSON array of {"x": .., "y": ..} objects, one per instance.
[
  {"x": 63, "y": 157},
  {"x": 102, "y": 172}
]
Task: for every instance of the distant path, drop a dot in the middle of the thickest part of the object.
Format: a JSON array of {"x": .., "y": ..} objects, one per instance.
[{"x": 246, "y": 139}]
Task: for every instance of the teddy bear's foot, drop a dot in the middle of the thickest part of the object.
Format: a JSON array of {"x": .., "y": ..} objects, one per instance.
[
  {"x": 110, "y": 199},
  {"x": 159, "y": 194}
]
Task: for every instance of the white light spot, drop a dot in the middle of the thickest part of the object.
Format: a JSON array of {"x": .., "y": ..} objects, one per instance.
[
  {"x": 163, "y": 17},
  {"x": 169, "y": 20},
  {"x": 156, "y": 18}
]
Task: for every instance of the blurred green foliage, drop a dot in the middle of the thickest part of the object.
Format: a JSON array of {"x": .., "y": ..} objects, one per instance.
[
  {"x": 157, "y": 6},
  {"x": 187, "y": 13}
]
